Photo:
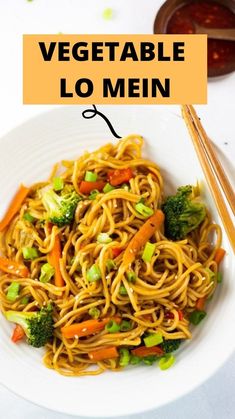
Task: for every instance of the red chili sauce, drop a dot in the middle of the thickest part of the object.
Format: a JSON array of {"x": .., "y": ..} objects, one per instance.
[{"x": 209, "y": 14}]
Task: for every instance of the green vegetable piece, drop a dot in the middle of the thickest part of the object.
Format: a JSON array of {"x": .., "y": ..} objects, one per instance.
[
  {"x": 126, "y": 187},
  {"x": 28, "y": 217},
  {"x": 93, "y": 274},
  {"x": 131, "y": 276},
  {"x": 148, "y": 252},
  {"x": 153, "y": 340},
  {"x": 93, "y": 194},
  {"x": 104, "y": 238},
  {"x": 144, "y": 210},
  {"x": 47, "y": 272},
  {"x": 90, "y": 176},
  {"x": 166, "y": 361},
  {"x": 110, "y": 265},
  {"x": 13, "y": 291},
  {"x": 197, "y": 316},
  {"x": 170, "y": 345},
  {"x": 30, "y": 253},
  {"x": 58, "y": 184},
  {"x": 38, "y": 326},
  {"x": 24, "y": 300},
  {"x": 107, "y": 13},
  {"x": 112, "y": 327},
  {"x": 183, "y": 213},
  {"x": 135, "y": 360},
  {"x": 219, "y": 277},
  {"x": 125, "y": 326},
  {"x": 122, "y": 290},
  {"x": 150, "y": 359},
  {"x": 60, "y": 209},
  {"x": 124, "y": 357},
  {"x": 94, "y": 312},
  {"x": 108, "y": 188},
  {"x": 211, "y": 273}
]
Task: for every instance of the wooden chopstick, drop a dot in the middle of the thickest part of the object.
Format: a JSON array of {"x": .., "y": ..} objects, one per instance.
[
  {"x": 209, "y": 174},
  {"x": 215, "y": 163}
]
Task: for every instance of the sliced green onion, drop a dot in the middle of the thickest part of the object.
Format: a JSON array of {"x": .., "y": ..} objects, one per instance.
[
  {"x": 107, "y": 13},
  {"x": 166, "y": 361},
  {"x": 143, "y": 210},
  {"x": 122, "y": 290},
  {"x": 110, "y": 265},
  {"x": 125, "y": 326},
  {"x": 112, "y": 327},
  {"x": 131, "y": 276},
  {"x": 47, "y": 272},
  {"x": 28, "y": 217},
  {"x": 126, "y": 187},
  {"x": 108, "y": 188},
  {"x": 13, "y": 291},
  {"x": 148, "y": 252},
  {"x": 30, "y": 253},
  {"x": 93, "y": 274},
  {"x": 197, "y": 316},
  {"x": 219, "y": 277},
  {"x": 24, "y": 300},
  {"x": 124, "y": 357},
  {"x": 211, "y": 273},
  {"x": 150, "y": 359},
  {"x": 58, "y": 184},
  {"x": 94, "y": 312},
  {"x": 90, "y": 176},
  {"x": 153, "y": 339},
  {"x": 93, "y": 194},
  {"x": 135, "y": 360},
  {"x": 104, "y": 238}
]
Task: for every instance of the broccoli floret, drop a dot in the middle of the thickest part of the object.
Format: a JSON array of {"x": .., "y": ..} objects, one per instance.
[
  {"x": 38, "y": 326},
  {"x": 170, "y": 345},
  {"x": 183, "y": 213},
  {"x": 60, "y": 209}
]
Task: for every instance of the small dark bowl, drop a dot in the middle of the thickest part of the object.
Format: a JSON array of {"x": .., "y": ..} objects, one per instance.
[{"x": 168, "y": 9}]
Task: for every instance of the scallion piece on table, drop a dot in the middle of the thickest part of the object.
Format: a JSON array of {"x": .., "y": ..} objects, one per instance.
[
  {"x": 47, "y": 272},
  {"x": 124, "y": 357},
  {"x": 125, "y": 326},
  {"x": 30, "y": 253},
  {"x": 13, "y": 291},
  {"x": 153, "y": 340},
  {"x": 93, "y": 274},
  {"x": 148, "y": 252},
  {"x": 28, "y": 217},
  {"x": 131, "y": 276},
  {"x": 90, "y": 177},
  {"x": 58, "y": 184},
  {"x": 122, "y": 290},
  {"x": 197, "y": 316},
  {"x": 107, "y": 13},
  {"x": 108, "y": 188},
  {"x": 144, "y": 210},
  {"x": 112, "y": 327},
  {"x": 93, "y": 194},
  {"x": 94, "y": 312},
  {"x": 110, "y": 265},
  {"x": 104, "y": 238},
  {"x": 166, "y": 361}
]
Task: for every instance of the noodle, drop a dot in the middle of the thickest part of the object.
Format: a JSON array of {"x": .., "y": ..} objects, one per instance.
[{"x": 175, "y": 278}]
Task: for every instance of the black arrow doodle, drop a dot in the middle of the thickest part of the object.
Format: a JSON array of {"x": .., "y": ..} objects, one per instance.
[{"x": 91, "y": 113}]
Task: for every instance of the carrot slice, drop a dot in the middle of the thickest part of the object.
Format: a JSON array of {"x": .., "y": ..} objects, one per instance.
[
  {"x": 104, "y": 353},
  {"x": 142, "y": 236},
  {"x": 14, "y": 206},
  {"x": 87, "y": 327},
  {"x": 18, "y": 333},
  {"x": 200, "y": 304},
  {"x": 219, "y": 255},
  {"x": 13, "y": 267},
  {"x": 116, "y": 251},
  {"x": 119, "y": 176},
  {"x": 54, "y": 259},
  {"x": 144, "y": 351},
  {"x": 86, "y": 187}
]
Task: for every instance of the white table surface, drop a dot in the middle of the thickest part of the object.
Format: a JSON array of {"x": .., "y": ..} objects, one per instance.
[{"x": 215, "y": 398}]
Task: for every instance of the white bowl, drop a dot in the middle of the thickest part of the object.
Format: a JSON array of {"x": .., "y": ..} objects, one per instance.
[{"x": 27, "y": 155}]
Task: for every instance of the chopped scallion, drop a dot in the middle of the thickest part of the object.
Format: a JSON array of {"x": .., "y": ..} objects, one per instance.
[
  {"x": 110, "y": 265},
  {"x": 135, "y": 360},
  {"x": 90, "y": 176},
  {"x": 219, "y": 277},
  {"x": 126, "y": 187},
  {"x": 153, "y": 340},
  {"x": 108, "y": 188},
  {"x": 112, "y": 327},
  {"x": 13, "y": 291},
  {"x": 94, "y": 312},
  {"x": 124, "y": 357},
  {"x": 107, "y": 13},
  {"x": 125, "y": 326},
  {"x": 148, "y": 252},
  {"x": 166, "y": 361},
  {"x": 93, "y": 194},
  {"x": 47, "y": 272},
  {"x": 197, "y": 316},
  {"x": 58, "y": 184},
  {"x": 28, "y": 217},
  {"x": 150, "y": 359},
  {"x": 30, "y": 253},
  {"x": 93, "y": 274},
  {"x": 104, "y": 238},
  {"x": 131, "y": 276},
  {"x": 211, "y": 273},
  {"x": 24, "y": 300},
  {"x": 122, "y": 290},
  {"x": 144, "y": 210}
]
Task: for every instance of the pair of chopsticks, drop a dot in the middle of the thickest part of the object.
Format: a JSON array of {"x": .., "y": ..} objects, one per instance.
[{"x": 213, "y": 171}]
